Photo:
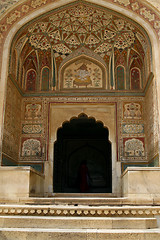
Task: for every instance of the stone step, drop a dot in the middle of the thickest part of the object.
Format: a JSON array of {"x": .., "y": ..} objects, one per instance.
[
  {"x": 92, "y": 200},
  {"x": 76, "y": 200},
  {"x": 78, "y": 234},
  {"x": 77, "y": 222},
  {"x": 83, "y": 195}
]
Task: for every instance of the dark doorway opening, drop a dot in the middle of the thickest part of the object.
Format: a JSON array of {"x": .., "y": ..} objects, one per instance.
[{"x": 82, "y": 151}]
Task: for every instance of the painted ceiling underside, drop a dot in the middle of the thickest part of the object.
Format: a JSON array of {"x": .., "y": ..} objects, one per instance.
[
  {"x": 42, "y": 48},
  {"x": 70, "y": 29}
]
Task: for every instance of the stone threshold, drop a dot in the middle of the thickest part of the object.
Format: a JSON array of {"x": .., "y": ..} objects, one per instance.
[
  {"x": 84, "y": 195},
  {"x": 91, "y": 200}
]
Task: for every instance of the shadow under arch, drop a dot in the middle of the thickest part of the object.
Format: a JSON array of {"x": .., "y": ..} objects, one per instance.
[{"x": 82, "y": 139}]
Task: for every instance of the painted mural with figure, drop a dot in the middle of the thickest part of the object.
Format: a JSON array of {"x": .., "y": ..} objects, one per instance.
[{"x": 82, "y": 73}]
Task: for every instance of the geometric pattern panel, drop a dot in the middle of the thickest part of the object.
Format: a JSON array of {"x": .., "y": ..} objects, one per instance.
[
  {"x": 81, "y": 25},
  {"x": 57, "y": 35},
  {"x": 31, "y": 128}
]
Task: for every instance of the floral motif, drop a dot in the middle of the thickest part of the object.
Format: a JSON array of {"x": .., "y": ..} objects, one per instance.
[
  {"x": 31, "y": 147},
  {"x": 157, "y": 24},
  {"x": 33, "y": 111},
  {"x": 13, "y": 17},
  {"x": 133, "y": 128},
  {"x": 3, "y": 28},
  {"x": 32, "y": 129},
  {"x": 124, "y": 2},
  {"x": 36, "y": 3},
  {"x": 25, "y": 8},
  {"x": 62, "y": 49},
  {"x": 103, "y": 48},
  {"x": 132, "y": 111},
  {"x": 147, "y": 14},
  {"x": 135, "y": 6},
  {"x": 134, "y": 148}
]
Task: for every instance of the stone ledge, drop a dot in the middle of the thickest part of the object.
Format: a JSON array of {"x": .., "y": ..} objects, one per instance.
[
  {"x": 20, "y": 168},
  {"x": 75, "y": 222},
  {"x": 63, "y": 210},
  {"x": 19, "y": 182},
  {"x": 141, "y": 183},
  {"x": 140, "y": 169}
]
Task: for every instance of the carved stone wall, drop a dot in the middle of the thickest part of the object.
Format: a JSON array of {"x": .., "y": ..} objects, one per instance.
[
  {"x": 12, "y": 122},
  {"x": 151, "y": 121},
  {"x": 26, "y": 125},
  {"x": 26, "y": 128}
]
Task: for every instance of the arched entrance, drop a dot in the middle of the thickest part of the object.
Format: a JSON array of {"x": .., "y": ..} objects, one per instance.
[
  {"x": 109, "y": 95},
  {"x": 82, "y": 143}
]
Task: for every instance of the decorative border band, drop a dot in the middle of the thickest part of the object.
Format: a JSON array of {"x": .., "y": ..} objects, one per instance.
[{"x": 80, "y": 211}]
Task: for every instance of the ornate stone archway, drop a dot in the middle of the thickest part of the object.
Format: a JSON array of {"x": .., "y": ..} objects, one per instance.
[
  {"x": 82, "y": 139},
  {"x": 98, "y": 96}
]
